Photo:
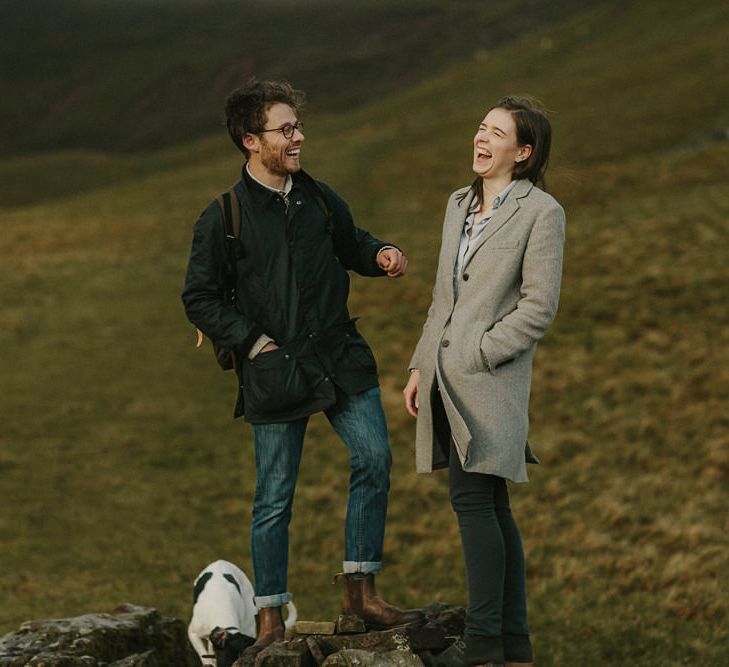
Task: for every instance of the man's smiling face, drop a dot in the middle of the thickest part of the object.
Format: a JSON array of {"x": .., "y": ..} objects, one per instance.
[{"x": 278, "y": 155}]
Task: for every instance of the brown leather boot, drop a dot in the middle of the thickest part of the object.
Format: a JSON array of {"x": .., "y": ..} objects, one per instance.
[
  {"x": 270, "y": 629},
  {"x": 361, "y": 599}
]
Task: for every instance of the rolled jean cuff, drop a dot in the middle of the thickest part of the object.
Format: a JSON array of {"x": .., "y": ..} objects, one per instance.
[
  {"x": 367, "y": 567},
  {"x": 279, "y": 600}
]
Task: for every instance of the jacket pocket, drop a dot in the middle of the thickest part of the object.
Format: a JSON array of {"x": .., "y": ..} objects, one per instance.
[
  {"x": 273, "y": 382},
  {"x": 357, "y": 354},
  {"x": 503, "y": 245}
]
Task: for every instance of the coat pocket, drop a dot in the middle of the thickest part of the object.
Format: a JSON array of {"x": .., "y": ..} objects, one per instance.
[
  {"x": 507, "y": 249},
  {"x": 357, "y": 354},
  {"x": 274, "y": 382}
]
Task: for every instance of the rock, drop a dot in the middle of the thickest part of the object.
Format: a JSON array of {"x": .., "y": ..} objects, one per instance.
[
  {"x": 360, "y": 658},
  {"x": 314, "y": 628},
  {"x": 376, "y": 641},
  {"x": 140, "y": 637},
  {"x": 315, "y": 651},
  {"x": 447, "y": 618},
  {"x": 444, "y": 623},
  {"x": 349, "y": 624},
  {"x": 128, "y": 637},
  {"x": 423, "y": 638},
  {"x": 280, "y": 655},
  {"x": 146, "y": 659}
]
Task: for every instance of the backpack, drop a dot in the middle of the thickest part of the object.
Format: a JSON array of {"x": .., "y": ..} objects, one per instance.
[
  {"x": 228, "y": 202},
  {"x": 230, "y": 206}
]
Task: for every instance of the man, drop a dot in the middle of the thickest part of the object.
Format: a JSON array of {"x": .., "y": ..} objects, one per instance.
[{"x": 298, "y": 352}]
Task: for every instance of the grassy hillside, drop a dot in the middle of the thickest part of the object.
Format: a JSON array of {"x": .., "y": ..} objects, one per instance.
[
  {"x": 124, "y": 475},
  {"x": 141, "y": 74}
]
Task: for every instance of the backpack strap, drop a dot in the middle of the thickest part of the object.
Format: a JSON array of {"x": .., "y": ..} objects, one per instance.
[
  {"x": 231, "y": 212},
  {"x": 230, "y": 207},
  {"x": 228, "y": 202},
  {"x": 319, "y": 196}
]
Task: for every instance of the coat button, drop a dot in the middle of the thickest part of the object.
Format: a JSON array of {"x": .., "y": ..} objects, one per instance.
[
  {"x": 445, "y": 343},
  {"x": 465, "y": 276}
]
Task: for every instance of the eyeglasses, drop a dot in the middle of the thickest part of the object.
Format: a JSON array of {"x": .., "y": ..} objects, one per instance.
[{"x": 287, "y": 130}]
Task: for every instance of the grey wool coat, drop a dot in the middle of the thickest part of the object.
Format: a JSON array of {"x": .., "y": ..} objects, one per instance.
[{"x": 475, "y": 352}]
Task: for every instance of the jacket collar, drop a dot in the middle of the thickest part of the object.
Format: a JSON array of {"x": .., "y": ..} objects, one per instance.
[
  {"x": 501, "y": 215},
  {"x": 255, "y": 193},
  {"x": 456, "y": 217},
  {"x": 288, "y": 183},
  {"x": 251, "y": 192}
]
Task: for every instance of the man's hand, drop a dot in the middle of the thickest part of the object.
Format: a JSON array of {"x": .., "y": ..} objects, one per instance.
[
  {"x": 412, "y": 402},
  {"x": 392, "y": 262},
  {"x": 268, "y": 347}
]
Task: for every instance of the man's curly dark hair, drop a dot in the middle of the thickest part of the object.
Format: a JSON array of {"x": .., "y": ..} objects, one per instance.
[{"x": 246, "y": 108}]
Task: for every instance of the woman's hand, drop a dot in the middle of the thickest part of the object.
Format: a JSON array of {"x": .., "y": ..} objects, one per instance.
[{"x": 412, "y": 402}]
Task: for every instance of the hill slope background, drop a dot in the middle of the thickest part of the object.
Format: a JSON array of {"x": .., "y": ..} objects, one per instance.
[
  {"x": 142, "y": 74},
  {"x": 124, "y": 475}
]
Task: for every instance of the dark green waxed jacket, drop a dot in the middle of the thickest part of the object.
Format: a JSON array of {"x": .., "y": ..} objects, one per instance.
[{"x": 292, "y": 285}]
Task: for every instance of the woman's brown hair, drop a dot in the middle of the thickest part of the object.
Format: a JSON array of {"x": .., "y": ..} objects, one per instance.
[{"x": 533, "y": 128}]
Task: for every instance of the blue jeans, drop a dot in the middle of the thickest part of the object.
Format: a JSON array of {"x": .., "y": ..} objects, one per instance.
[{"x": 360, "y": 422}]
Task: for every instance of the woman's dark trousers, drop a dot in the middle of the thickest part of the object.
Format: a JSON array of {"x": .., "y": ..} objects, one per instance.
[{"x": 496, "y": 618}]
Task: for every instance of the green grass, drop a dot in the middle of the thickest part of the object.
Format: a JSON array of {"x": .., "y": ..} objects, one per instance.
[{"x": 123, "y": 474}]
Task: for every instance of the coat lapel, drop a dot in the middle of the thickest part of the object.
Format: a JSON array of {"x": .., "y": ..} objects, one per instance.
[
  {"x": 502, "y": 215},
  {"x": 454, "y": 229},
  {"x": 452, "y": 238}
]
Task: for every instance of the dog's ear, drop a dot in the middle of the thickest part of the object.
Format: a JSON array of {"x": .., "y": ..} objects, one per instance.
[
  {"x": 232, "y": 580},
  {"x": 200, "y": 585},
  {"x": 218, "y": 637}
]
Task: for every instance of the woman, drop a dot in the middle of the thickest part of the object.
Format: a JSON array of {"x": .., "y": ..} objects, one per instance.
[{"x": 496, "y": 293}]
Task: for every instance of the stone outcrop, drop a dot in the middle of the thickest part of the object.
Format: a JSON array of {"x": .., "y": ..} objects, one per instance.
[
  {"x": 399, "y": 647},
  {"x": 129, "y": 636},
  {"x": 133, "y": 636}
]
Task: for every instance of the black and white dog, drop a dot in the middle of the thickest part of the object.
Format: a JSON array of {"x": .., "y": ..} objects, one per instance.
[{"x": 223, "y": 621}]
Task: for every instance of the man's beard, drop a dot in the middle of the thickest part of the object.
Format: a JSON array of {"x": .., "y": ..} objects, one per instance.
[{"x": 275, "y": 161}]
